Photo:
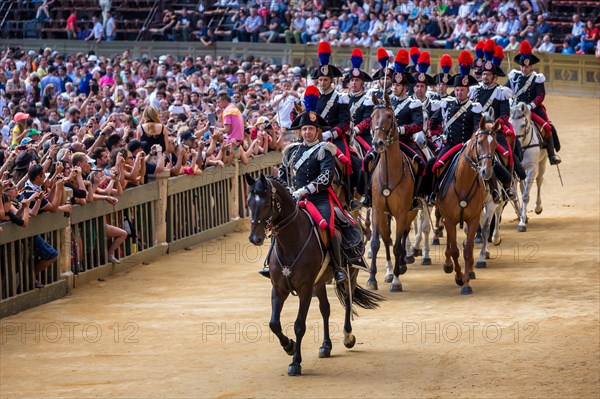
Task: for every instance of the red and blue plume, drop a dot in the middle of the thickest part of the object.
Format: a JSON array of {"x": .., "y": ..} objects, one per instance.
[
  {"x": 489, "y": 49},
  {"x": 324, "y": 52},
  {"x": 446, "y": 63},
  {"x": 414, "y": 55},
  {"x": 424, "y": 62},
  {"x": 465, "y": 61},
  {"x": 525, "y": 50},
  {"x": 383, "y": 57},
  {"x": 479, "y": 49},
  {"x": 311, "y": 98},
  {"x": 498, "y": 56},
  {"x": 356, "y": 59},
  {"x": 401, "y": 61}
]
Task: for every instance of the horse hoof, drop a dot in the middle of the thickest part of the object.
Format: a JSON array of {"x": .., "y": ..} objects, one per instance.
[
  {"x": 481, "y": 264},
  {"x": 410, "y": 259},
  {"x": 435, "y": 241},
  {"x": 522, "y": 229},
  {"x": 477, "y": 239},
  {"x": 372, "y": 285},
  {"x": 538, "y": 210},
  {"x": 417, "y": 252},
  {"x": 448, "y": 269},
  {"x": 290, "y": 349},
  {"x": 426, "y": 261},
  {"x": 389, "y": 278},
  {"x": 403, "y": 268},
  {"x": 294, "y": 369},
  {"x": 472, "y": 276},
  {"x": 351, "y": 343},
  {"x": 466, "y": 291},
  {"x": 396, "y": 288},
  {"x": 324, "y": 352},
  {"x": 497, "y": 242},
  {"x": 458, "y": 281}
]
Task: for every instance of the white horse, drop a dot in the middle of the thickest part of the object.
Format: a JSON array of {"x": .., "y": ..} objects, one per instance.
[{"x": 534, "y": 158}]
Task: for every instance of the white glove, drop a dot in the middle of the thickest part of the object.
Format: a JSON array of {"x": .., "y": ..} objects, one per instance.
[
  {"x": 529, "y": 106},
  {"x": 356, "y": 131},
  {"x": 327, "y": 135},
  {"x": 301, "y": 192}
]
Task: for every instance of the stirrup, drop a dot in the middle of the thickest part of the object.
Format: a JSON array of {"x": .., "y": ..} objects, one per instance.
[
  {"x": 554, "y": 160},
  {"x": 339, "y": 275},
  {"x": 496, "y": 196},
  {"x": 265, "y": 273},
  {"x": 417, "y": 205},
  {"x": 366, "y": 202}
]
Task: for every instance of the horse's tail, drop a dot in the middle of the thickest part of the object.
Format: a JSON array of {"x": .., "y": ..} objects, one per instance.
[{"x": 363, "y": 298}]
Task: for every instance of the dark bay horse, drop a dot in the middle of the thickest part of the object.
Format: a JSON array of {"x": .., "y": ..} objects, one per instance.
[
  {"x": 461, "y": 200},
  {"x": 298, "y": 265},
  {"x": 392, "y": 194}
]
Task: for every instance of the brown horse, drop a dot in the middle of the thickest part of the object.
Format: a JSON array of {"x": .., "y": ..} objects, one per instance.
[
  {"x": 298, "y": 265},
  {"x": 392, "y": 194},
  {"x": 461, "y": 200}
]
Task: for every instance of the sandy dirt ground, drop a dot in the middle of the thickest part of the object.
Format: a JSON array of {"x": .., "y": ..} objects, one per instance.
[{"x": 195, "y": 323}]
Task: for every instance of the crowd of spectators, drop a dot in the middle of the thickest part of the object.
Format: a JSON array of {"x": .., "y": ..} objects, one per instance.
[
  {"x": 450, "y": 24},
  {"x": 100, "y": 125}
]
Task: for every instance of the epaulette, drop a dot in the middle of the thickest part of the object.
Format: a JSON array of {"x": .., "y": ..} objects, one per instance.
[
  {"x": 539, "y": 77},
  {"x": 504, "y": 93},
  {"x": 436, "y": 104},
  {"x": 325, "y": 147},
  {"x": 368, "y": 100},
  {"x": 415, "y": 103},
  {"x": 343, "y": 98},
  {"x": 512, "y": 73},
  {"x": 476, "y": 108},
  {"x": 286, "y": 151}
]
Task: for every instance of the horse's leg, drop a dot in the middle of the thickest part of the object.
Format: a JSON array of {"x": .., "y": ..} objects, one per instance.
[
  {"x": 368, "y": 231},
  {"x": 375, "y": 244},
  {"x": 497, "y": 238},
  {"x": 305, "y": 297},
  {"x": 417, "y": 225},
  {"x": 399, "y": 253},
  {"x": 484, "y": 223},
  {"x": 321, "y": 293},
  {"x": 426, "y": 225},
  {"x": 540, "y": 179},
  {"x": 437, "y": 229},
  {"x": 387, "y": 241},
  {"x": 277, "y": 300},
  {"x": 526, "y": 189},
  {"x": 468, "y": 256},
  {"x": 349, "y": 339},
  {"x": 452, "y": 252}
]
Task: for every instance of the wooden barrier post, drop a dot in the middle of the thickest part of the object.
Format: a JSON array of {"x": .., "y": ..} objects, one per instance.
[
  {"x": 160, "y": 208},
  {"x": 234, "y": 199},
  {"x": 64, "y": 257}
]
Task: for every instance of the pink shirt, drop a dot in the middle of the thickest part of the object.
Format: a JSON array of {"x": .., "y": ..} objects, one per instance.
[
  {"x": 232, "y": 116},
  {"x": 106, "y": 80}
]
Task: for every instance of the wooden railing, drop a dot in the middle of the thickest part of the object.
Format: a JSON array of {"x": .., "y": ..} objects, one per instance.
[{"x": 165, "y": 215}]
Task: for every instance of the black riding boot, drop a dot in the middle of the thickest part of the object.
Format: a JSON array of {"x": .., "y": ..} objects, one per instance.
[
  {"x": 552, "y": 157},
  {"x": 416, "y": 205},
  {"x": 366, "y": 202},
  {"x": 336, "y": 253},
  {"x": 555, "y": 137}
]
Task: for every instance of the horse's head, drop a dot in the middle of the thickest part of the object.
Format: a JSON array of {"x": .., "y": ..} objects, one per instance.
[
  {"x": 520, "y": 117},
  {"x": 264, "y": 206},
  {"x": 484, "y": 142},
  {"x": 383, "y": 124}
]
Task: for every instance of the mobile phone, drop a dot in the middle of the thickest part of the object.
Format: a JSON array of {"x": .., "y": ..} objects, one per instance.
[
  {"x": 95, "y": 89},
  {"x": 55, "y": 130},
  {"x": 211, "y": 119}
]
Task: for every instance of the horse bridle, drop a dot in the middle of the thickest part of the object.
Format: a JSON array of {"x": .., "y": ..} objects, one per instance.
[
  {"x": 389, "y": 140},
  {"x": 478, "y": 158},
  {"x": 275, "y": 204}
]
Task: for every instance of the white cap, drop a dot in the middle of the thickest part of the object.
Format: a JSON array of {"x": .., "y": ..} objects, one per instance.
[
  {"x": 92, "y": 58},
  {"x": 162, "y": 58}
]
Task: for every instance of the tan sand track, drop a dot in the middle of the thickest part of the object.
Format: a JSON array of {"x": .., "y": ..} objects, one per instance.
[{"x": 195, "y": 323}]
